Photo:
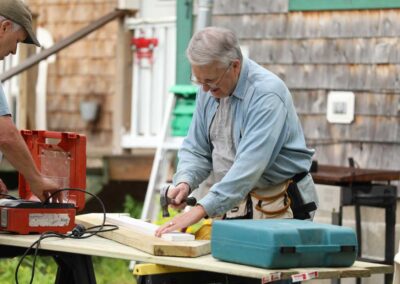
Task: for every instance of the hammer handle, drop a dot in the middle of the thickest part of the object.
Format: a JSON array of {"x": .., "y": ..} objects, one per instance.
[{"x": 191, "y": 201}]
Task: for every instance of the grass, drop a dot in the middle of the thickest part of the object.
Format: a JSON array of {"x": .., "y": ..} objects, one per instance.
[{"x": 107, "y": 270}]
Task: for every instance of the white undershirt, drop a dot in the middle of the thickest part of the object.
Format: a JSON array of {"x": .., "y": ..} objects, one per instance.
[{"x": 221, "y": 134}]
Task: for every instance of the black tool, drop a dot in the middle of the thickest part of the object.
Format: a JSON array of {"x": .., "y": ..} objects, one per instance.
[{"x": 165, "y": 201}]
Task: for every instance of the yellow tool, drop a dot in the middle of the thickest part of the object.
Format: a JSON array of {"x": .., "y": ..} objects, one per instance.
[
  {"x": 152, "y": 268},
  {"x": 201, "y": 230},
  {"x": 204, "y": 232}
]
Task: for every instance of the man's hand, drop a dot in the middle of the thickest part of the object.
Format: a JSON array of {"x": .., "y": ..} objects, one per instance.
[
  {"x": 42, "y": 185},
  {"x": 182, "y": 221},
  {"x": 178, "y": 195},
  {"x": 3, "y": 188}
]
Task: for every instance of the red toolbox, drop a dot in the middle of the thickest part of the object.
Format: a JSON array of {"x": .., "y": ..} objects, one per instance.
[{"x": 60, "y": 156}]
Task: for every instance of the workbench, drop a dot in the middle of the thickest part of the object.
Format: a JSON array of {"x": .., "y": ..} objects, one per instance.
[
  {"x": 79, "y": 252},
  {"x": 365, "y": 187}
]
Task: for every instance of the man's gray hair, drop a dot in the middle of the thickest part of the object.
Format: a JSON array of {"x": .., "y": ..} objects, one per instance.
[
  {"x": 15, "y": 26},
  {"x": 213, "y": 44}
]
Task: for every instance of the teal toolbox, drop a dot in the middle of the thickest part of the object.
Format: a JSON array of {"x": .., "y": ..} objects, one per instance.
[{"x": 283, "y": 243}]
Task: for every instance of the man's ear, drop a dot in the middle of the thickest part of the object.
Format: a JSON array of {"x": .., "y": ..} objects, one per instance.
[
  {"x": 5, "y": 25},
  {"x": 236, "y": 64}
]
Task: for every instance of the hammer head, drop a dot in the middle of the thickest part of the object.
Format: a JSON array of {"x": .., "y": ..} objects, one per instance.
[{"x": 164, "y": 200}]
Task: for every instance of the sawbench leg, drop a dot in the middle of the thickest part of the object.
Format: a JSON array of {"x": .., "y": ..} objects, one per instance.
[
  {"x": 74, "y": 269},
  {"x": 197, "y": 277}
]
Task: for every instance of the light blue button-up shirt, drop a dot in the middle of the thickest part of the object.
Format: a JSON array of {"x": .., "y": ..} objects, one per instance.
[
  {"x": 4, "y": 110},
  {"x": 269, "y": 140}
]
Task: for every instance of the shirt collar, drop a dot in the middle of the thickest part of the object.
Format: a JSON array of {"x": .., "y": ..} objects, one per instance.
[{"x": 239, "y": 91}]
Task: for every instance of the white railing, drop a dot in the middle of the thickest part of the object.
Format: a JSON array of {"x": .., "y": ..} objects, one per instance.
[{"x": 150, "y": 82}]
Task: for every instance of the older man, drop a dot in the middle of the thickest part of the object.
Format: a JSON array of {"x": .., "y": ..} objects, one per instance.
[
  {"x": 15, "y": 28},
  {"x": 245, "y": 131}
]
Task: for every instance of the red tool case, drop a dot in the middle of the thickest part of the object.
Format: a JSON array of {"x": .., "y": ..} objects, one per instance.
[{"x": 60, "y": 156}]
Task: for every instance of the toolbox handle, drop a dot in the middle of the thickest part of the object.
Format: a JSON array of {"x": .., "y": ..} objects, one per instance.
[
  {"x": 59, "y": 135},
  {"x": 318, "y": 248},
  {"x": 52, "y": 134}
]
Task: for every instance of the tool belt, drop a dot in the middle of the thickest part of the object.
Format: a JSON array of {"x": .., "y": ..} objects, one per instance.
[
  {"x": 284, "y": 202},
  {"x": 300, "y": 209}
]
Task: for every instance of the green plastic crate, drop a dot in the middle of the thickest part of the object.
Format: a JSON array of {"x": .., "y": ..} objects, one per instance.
[{"x": 184, "y": 108}]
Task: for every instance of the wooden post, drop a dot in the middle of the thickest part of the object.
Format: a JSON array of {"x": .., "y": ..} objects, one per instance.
[
  {"x": 123, "y": 79},
  {"x": 26, "y": 107}
]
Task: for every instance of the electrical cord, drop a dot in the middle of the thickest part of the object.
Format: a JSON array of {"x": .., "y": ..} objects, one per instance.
[
  {"x": 8, "y": 196},
  {"x": 79, "y": 232}
]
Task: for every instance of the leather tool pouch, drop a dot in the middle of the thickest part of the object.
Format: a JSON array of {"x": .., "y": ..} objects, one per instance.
[
  {"x": 274, "y": 206},
  {"x": 244, "y": 210},
  {"x": 300, "y": 209}
]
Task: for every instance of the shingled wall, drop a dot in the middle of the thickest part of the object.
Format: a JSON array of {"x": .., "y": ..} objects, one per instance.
[
  {"x": 83, "y": 71},
  {"x": 320, "y": 51}
]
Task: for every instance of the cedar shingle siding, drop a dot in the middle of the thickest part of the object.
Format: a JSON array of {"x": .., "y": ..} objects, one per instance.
[
  {"x": 82, "y": 71},
  {"x": 320, "y": 51}
]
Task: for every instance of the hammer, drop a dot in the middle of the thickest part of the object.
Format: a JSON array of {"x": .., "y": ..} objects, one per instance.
[{"x": 165, "y": 200}]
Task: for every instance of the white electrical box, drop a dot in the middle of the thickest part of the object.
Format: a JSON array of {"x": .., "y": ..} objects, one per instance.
[
  {"x": 129, "y": 4},
  {"x": 340, "y": 108}
]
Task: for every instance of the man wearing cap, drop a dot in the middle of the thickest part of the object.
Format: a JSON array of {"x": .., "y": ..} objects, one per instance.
[{"x": 16, "y": 27}]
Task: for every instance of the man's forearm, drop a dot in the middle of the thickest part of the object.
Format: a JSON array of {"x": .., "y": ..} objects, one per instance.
[{"x": 15, "y": 150}]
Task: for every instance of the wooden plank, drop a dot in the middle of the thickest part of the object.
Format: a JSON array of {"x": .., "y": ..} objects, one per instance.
[
  {"x": 335, "y": 272},
  {"x": 124, "y": 220},
  {"x": 302, "y": 25},
  {"x": 150, "y": 244},
  {"x": 336, "y": 175},
  {"x": 107, "y": 248},
  {"x": 249, "y": 6},
  {"x": 375, "y": 267},
  {"x": 128, "y": 167},
  {"x": 357, "y": 77},
  {"x": 324, "y": 50}
]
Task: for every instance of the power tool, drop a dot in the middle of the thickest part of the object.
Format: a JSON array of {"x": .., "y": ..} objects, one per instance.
[{"x": 60, "y": 156}]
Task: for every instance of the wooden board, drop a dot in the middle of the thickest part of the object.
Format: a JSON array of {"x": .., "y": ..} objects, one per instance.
[
  {"x": 336, "y": 175},
  {"x": 146, "y": 243}
]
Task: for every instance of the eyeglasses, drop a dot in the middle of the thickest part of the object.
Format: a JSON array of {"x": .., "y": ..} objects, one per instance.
[{"x": 211, "y": 85}]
